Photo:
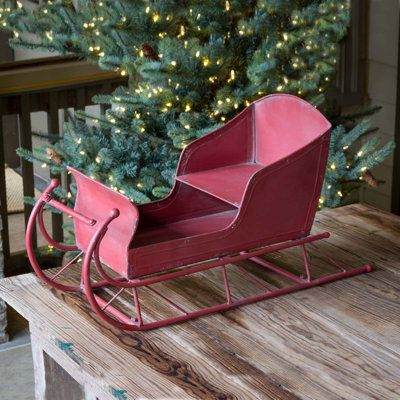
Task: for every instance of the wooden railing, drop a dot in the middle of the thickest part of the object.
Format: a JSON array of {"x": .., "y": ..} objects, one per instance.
[{"x": 45, "y": 85}]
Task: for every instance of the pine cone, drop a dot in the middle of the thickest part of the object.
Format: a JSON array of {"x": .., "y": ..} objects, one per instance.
[
  {"x": 370, "y": 179},
  {"x": 149, "y": 52},
  {"x": 54, "y": 156}
]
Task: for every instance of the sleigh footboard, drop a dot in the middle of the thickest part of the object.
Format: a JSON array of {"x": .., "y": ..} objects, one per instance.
[{"x": 95, "y": 201}]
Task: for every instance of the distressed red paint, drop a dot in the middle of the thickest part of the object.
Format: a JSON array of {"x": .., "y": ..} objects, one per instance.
[{"x": 248, "y": 188}]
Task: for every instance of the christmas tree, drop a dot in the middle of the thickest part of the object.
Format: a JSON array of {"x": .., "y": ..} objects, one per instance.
[{"x": 192, "y": 65}]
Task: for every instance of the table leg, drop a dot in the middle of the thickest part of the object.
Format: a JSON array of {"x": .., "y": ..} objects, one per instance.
[
  {"x": 39, "y": 368},
  {"x": 56, "y": 375}
]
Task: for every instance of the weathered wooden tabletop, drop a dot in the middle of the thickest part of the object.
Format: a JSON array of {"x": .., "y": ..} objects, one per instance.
[{"x": 341, "y": 340}]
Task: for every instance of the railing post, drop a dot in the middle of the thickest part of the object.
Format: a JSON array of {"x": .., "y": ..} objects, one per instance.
[
  {"x": 4, "y": 244},
  {"x": 53, "y": 124},
  {"x": 3, "y": 196},
  {"x": 25, "y": 141}
]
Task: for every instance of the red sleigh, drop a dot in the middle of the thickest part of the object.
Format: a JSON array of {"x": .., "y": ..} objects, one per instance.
[{"x": 248, "y": 188}]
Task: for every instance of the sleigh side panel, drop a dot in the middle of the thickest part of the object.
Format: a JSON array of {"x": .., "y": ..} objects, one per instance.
[
  {"x": 230, "y": 144},
  {"x": 282, "y": 199},
  {"x": 96, "y": 201}
]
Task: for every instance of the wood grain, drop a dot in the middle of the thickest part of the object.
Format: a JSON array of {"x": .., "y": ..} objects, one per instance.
[{"x": 338, "y": 341}]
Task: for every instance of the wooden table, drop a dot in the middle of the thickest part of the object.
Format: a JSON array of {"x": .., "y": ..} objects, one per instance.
[{"x": 337, "y": 341}]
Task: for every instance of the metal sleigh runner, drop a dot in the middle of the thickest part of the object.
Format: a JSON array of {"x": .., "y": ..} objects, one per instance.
[{"x": 247, "y": 189}]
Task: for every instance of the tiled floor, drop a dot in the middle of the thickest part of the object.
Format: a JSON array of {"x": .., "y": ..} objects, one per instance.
[{"x": 16, "y": 368}]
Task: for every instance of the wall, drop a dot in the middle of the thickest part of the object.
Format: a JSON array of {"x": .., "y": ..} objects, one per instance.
[{"x": 383, "y": 28}]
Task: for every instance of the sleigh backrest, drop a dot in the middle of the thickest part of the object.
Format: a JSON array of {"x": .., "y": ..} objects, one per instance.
[
  {"x": 291, "y": 139},
  {"x": 95, "y": 201},
  {"x": 283, "y": 124}
]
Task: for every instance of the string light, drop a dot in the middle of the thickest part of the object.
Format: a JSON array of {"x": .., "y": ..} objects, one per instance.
[
  {"x": 182, "y": 31},
  {"x": 227, "y": 6},
  {"x": 333, "y": 166}
]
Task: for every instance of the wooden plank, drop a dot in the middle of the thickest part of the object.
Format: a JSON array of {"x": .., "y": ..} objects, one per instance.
[
  {"x": 44, "y": 74},
  {"x": 336, "y": 341}
]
